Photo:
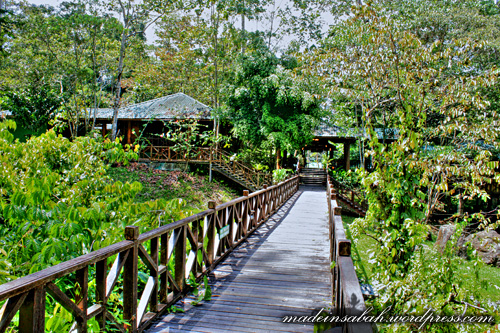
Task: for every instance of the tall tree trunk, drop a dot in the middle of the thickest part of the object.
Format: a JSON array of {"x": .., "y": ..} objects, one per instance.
[
  {"x": 116, "y": 104},
  {"x": 216, "y": 51},
  {"x": 460, "y": 205},
  {"x": 272, "y": 23},
  {"x": 278, "y": 158},
  {"x": 243, "y": 31}
]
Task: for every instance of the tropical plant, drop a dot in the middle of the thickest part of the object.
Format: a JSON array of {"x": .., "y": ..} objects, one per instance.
[
  {"x": 57, "y": 201},
  {"x": 430, "y": 96},
  {"x": 268, "y": 103},
  {"x": 184, "y": 135},
  {"x": 280, "y": 175}
]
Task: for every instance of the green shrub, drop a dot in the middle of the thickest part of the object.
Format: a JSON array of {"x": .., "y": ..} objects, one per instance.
[
  {"x": 57, "y": 201},
  {"x": 280, "y": 175}
]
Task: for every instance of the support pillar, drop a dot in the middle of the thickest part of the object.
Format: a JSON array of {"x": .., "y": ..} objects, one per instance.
[
  {"x": 129, "y": 132},
  {"x": 347, "y": 156}
]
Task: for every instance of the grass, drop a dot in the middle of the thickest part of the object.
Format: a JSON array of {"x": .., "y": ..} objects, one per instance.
[
  {"x": 194, "y": 189},
  {"x": 361, "y": 249},
  {"x": 488, "y": 290}
]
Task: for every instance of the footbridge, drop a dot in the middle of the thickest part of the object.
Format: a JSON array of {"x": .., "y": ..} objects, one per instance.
[{"x": 265, "y": 258}]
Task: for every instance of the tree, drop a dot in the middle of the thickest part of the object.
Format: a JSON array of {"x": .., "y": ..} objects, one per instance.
[
  {"x": 67, "y": 52},
  {"x": 136, "y": 18},
  {"x": 6, "y": 28},
  {"x": 431, "y": 96},
  {"x": 269, "y": 103},
  {"x": 34, "y": 106},
  {"x": 448, "y": 20}
]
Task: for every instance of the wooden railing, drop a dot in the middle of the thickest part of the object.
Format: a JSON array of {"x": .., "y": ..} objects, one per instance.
[
  {"x": 191, "y": 247},
  {"x": 255, "y": 178},
  {"x": 348, "y": 298},
  {"x": 351, "y": 195},
  {"x": 170, "y": 154},
  {"x": 250, "y": 176}
]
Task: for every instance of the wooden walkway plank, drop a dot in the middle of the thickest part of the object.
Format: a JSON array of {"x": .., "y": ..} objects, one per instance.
[{"x": 281, "y": 270}]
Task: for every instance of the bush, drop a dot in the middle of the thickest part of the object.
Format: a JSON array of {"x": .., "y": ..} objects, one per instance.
[
  {"x": 280, "y": 175},
  {"x": 57, "y": 201}
]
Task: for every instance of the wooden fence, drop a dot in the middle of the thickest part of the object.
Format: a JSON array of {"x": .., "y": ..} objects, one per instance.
[
  {"x": 347, "y": 296},
  {"x": 170, "y": 154},
  {"x": 239, "y": 171},
  {"x": 168, "y": 255},
  {"x": 253, "y": 177},
  {"x": 354, "y": 199}
]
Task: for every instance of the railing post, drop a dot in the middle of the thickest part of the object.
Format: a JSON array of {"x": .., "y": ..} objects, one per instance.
[
  {"x": 200, "y": 239},
  {"x": 266, "y": 202},
  {"x": 231, "y": 219},
  {"x": 211, "y": 233},
  {"x": 164, "y": 262},
  {"x": 82, "y": 279},
  {"x": 180, "y": 259},
  {"x": 153, "y": 302},
  {"x": 130, "y": 279},
  {"x": 100, "y": 276},
  {"x": 245, "y": 213},
  {"x": 32, "y": 312}
]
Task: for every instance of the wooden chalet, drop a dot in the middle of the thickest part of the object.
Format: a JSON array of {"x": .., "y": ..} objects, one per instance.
[{"x": 149, "y": 117}]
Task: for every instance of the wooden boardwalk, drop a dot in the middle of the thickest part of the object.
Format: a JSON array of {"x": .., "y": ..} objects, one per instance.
[{"x": 282, "y": 269}]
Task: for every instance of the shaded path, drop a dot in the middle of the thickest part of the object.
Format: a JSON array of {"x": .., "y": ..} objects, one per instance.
[{"x": 282, "y": 269}]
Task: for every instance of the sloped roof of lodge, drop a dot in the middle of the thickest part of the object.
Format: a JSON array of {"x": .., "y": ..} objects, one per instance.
[
  {"x": 173, "y": 106},
  {"x": 327, "y": 131},
  {"x": 330, "y": 131}
]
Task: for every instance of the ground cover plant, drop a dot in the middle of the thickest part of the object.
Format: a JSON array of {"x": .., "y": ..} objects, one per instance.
[
  {"x": 192, "y": 188},
  {"x": 62, "y": 198}
]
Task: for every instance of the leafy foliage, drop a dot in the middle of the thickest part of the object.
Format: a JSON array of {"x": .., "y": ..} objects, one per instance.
[
  {"x": 57, "y": 201},
  {"x": 60, "y": 60},
  {"x": 34, "y": 107},
  {"x": 349, "y": 178},
  {"x": 429, "y": 96},
  {"x": 280, "y": 175},
  {"x": 6, "y": 27},
  {"x": 269, "y": 103},
  {"x": 182, "y": 134}
]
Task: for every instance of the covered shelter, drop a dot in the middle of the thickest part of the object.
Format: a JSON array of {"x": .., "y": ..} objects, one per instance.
[
  {"x": 325, "y": 136},
  {"x": 149, "y": 117}
]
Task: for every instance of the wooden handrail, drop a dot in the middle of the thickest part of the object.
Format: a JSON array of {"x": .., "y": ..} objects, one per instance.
[
  {"x": 31, "y": 281},
  {"x": 254, "y": 177},
  {"x": 193, "y": 245},
  {"x": 347, "y": 296},
  {"x": 219, "y": 157},
  {"x": 350, "y": 194}
]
